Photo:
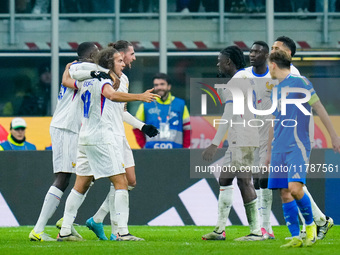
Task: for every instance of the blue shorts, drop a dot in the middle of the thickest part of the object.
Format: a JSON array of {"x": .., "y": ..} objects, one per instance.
[{"x": 288, "y": 167}]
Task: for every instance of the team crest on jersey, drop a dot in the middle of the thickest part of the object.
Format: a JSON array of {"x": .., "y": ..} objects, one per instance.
[
  {"x": 123, "y": 165},
  {"x": 269, "y": 86},
  {"x": 73, "y": 165}
]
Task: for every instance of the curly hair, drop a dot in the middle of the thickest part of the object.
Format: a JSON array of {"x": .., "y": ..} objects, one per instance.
[
  {"x": 236, "y": 56},
  {"x": 105, "y": 58}
]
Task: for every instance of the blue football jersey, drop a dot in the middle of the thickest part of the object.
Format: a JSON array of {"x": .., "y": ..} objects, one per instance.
[{"x": 294, "y": 128}]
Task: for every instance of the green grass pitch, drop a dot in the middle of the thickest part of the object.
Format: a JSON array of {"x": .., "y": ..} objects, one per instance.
[{"x": 162, "y": 240}]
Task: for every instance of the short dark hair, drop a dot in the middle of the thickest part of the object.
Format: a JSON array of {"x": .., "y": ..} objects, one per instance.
[
  {"x": 121, "y": 45},
  {"x": 263, "y": 44},
  {"x": 87, "y": 51},
  {"x": 281, "y": 58},
  {"x": 162, "y": 76},
  {"x": 236, "y": 55},
  {"x": 289, "y": 43},
  {"x": 105, "y": 58}
]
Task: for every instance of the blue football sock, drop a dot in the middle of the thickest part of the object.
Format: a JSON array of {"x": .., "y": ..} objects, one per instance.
[
  {"x": 290, "y": 213},
  {"x": 305, "y": 207}
]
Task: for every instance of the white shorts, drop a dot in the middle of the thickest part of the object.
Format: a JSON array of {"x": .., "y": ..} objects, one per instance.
[
  {"x": 239, "y": 157},
  {"x": 102, "y": 160},
  {"x": 64, "y": 150},
  {"x": 128, "y": 155}
]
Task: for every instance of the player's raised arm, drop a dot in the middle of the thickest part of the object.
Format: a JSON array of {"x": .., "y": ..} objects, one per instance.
[
  {"x": 322, "y": 113},
  {"x": 117, "y": 96},
  {"x": 67, "y": 81}
]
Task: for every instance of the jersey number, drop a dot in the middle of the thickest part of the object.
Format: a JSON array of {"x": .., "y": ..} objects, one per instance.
[{"x": 86, "y": 97}]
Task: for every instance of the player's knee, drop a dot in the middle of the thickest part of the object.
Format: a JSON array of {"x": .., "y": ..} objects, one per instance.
[
  {"x": 62, "y": 180},
  {"x": 256, "y": 183},
  {"x": 263, "y": 183},
  {"x": 120, "y": 182},
  {"x": 243, "y": 183},
  {"x": 225, "y": 181}
]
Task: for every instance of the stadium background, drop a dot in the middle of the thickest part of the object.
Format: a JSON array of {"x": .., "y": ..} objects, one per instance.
[{"x": 185, "y": 45}]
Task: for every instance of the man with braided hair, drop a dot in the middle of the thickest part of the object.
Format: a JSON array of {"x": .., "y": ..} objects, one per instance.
[{"x": 243, "y": 141}]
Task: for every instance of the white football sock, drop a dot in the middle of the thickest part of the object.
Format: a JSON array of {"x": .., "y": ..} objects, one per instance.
[
  {"x": 73, "y": 202},
  {"x": 253, "y": 217},
  {"x": 103, "y": 210},
  {"x": 267, "y": 200},
  {"x": 318, "y": 216},
  {"x": 113, "y": 216},
  {"x": 50, "y": 205},
  {"x": 225, "y": 202},
  {"x": 259, "y": 202},
  {"x": 122, "y": 210}
]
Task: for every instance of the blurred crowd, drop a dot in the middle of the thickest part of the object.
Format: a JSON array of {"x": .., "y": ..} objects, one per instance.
[{"x": 185, "y": 6}]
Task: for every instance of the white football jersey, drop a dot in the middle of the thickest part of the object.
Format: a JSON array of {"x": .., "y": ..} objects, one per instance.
[
  {"x": 263, "y": 85},
  {"x": 67, "y": 114},
  {"x": 81, "y": 70},
  {"x": 241, "y": 134},
  {"x": 102, "y": 118},
  {"x": 294, "y": 70}
]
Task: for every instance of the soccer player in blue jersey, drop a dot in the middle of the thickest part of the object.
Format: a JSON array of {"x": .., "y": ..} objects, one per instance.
[
  {"x": 291, "y": 146},
  {"x": 323, "y": 222}
]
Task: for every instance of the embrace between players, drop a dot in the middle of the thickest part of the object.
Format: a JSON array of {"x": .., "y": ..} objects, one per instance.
[{"x": 88, "y": 138}]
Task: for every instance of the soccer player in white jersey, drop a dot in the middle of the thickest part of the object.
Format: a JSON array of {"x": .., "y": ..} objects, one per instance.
[
  {"x": 82, "y": 71},
  {"x": 242, "y": 143},
  {"x": 100, "y": 143},
  {"x": 323, "y": 222},
  {"x": 263, "y": 82},
  {"x": 64, "y": 131},
  {"x": 95, "y": 223}
]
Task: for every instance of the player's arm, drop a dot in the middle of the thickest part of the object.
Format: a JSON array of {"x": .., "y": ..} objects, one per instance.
[
  {"x": 324, "y": 117},
  {"x": 67, "y": 81},
  {"x": 118, "y": 96},
  {"x": 149, "y": 130},
  {"x": 84, "y": 71},
  {"x": 140, "y": 137},
  {"x": 209, "y": 152}
]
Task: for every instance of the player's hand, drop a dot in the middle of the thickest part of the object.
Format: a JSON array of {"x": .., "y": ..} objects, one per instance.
[
  {"x": 100, "y": 75},
  {"x": 336, "y": 144},
  {"x": 150, "y": 130},
  {"x": 69, "y": 65},
  {"x": 148, "y": 97},
  {"x": 209, "y": 152}
]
